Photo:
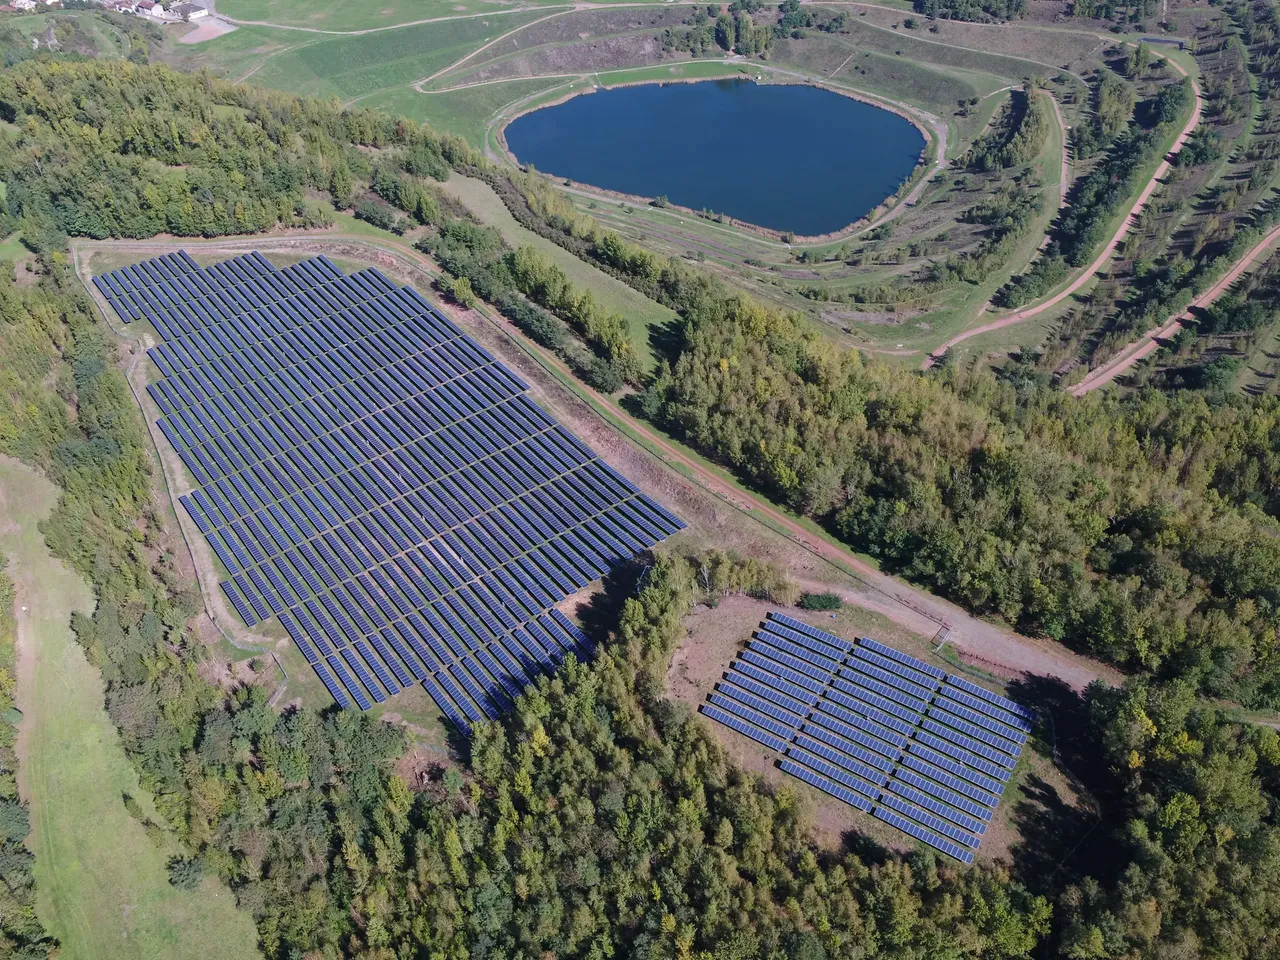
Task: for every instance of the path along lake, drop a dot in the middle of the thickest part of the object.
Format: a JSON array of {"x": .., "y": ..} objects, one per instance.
[{"x": 786, "y": 157}]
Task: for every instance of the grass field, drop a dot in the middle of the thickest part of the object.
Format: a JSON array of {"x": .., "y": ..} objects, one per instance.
[
  {"x": 12, "y": 248},
  {"x": 643, "y": 316},
  {"x": 355, "y": 66},
  {"x": 108, "y": 40},
  {"x": 103, "y": 889},
  {"x": 337, "y": 15}
]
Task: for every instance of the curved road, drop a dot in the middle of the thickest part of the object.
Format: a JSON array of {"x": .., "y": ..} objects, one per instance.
[
  {"x": 1086, "y": 275},
  {"x": 1148, "y": 343}
]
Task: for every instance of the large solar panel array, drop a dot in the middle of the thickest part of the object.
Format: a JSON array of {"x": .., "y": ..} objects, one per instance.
[
  {"x": 377, "y": 480},
  {"x": 895, "y": 737}
]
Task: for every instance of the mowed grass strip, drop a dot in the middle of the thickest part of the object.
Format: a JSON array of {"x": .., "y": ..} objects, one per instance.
[
  {"x": 356, "y": 66},
  {"x": 102, "y": 884},
  {"x": 643, "y": 315}
]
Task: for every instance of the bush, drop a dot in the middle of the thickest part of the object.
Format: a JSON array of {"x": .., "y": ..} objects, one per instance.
[
  {"x": 820, "y": 601},
  {"x": 382, "y": 217},
  {"x": 186, "y": 872}
]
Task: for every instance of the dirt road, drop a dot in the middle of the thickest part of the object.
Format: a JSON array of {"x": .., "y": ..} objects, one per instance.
[
  {"x": 989, "y": 644},
  {"x": 1086, "y": 275},
  {"x": 1147, "y": 344}
]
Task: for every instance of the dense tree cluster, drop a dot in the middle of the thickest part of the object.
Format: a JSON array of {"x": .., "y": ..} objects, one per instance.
[
  {"x": 971, "y": 9},
  {"x": 1018, "y": 139}
]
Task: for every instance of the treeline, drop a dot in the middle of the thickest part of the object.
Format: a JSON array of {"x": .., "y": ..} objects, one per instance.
[
  {"x": 1113, "y": 104},
  {"x": 1162, "y": 292},
  {"x": 1019, "y": 139},
  {"x": 1098, "y": 196},
  {"x": 506, "y": 277},
  {"x": 981, "y": 10}
]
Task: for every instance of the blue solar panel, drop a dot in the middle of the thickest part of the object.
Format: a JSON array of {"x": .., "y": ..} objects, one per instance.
[
  {"x": 841, "y": 646},
  {"x": 949, "y": 797},
  {"x": 992, "y": 698},
  {"x": 763, "y": 705},
  {"x": 950, "y": 718},
  {"x": 734, "y": 723},
  {"x": 933, "y": 822},
  {"x": 832, "y": 739},
  {"x": 827, "y": 786},
  {"x": 744, "y": 712},
  {"x": 955, "y": 762},
  {"x": 923, "y": 835},
  {"x": 797, "y": 645},
  {"x": 340, "y": 421},
  {"x": 960, "y": 785},
  {"x": 902, "y": 658},
  {"x": 832, "y": 772},
  {"x": 981, "y": 706}
]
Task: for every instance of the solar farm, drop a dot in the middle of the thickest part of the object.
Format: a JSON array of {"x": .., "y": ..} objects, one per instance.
[
  {"x": 924, "y": 751},
  {"x": 377, "y": 480}
]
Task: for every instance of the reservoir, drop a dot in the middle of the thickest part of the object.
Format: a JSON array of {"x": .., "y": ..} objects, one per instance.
[{"x": 786, "y": 157}]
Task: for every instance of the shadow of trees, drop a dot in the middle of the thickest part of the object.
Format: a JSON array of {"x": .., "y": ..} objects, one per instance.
[{"x": 1063, "y": 838}]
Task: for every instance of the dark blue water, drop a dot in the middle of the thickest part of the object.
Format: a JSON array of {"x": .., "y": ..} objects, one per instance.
[{"x": 786, "y": 157}]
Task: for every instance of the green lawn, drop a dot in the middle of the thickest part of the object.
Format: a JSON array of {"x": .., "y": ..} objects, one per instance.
[
  {"x": 642, "y": 314},
  {"x": 355, "y": 66},
  {"x": 102, "y": 884},
  {"x": 466, "y": 111},
  {"x": 12, "y": 248},
  {"x": 345, "y": 16}
]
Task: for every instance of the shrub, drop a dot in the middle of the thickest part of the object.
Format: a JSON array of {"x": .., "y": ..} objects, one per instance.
[{"x": 820, "y": 601}]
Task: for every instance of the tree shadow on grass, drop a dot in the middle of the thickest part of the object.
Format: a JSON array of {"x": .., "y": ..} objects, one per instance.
[
  {"x": 667, "y": 340},
  {"x": 1063, "y": 836},
  {"x": 600, "y": 614}
]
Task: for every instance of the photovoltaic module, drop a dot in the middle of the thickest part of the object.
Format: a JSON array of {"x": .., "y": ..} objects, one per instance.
[
  {"x": 925, "y": 751},
  {"x": 376, "y": 479}
]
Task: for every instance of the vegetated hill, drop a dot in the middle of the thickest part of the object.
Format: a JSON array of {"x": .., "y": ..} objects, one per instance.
[{"x": 598, "y": 819}]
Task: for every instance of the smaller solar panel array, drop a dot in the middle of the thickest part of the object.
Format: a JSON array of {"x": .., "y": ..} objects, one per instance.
[
  {"x": 377, "y": 480},
  {"x": 924, "y": 751}
]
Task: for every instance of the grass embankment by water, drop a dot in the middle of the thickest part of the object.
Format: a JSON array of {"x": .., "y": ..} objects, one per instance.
[
  {"x": 102, "y": 883},
  {"x": 643, "y": 315}
]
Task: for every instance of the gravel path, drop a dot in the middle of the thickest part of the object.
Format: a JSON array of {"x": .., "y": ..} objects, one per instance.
[
  {"x": 1149, "y": 342},
  {"x": 1086, "y": 275}
]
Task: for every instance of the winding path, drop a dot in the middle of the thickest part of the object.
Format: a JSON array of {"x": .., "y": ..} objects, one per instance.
[
  {"x": 1147, "y": 344},
  {"x": 1087, "y": 274}
]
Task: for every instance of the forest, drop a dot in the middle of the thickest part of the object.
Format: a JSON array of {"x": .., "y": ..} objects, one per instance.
[{"x": 599, "y": 819}]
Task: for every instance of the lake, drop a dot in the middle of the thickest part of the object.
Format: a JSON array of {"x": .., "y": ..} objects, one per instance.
[{"x": 787, "y": 157}]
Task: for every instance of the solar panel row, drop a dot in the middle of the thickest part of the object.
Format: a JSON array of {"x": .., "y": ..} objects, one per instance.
[
  {"x": 883, "y": 731},
  {"x": 377, "y": 480}
]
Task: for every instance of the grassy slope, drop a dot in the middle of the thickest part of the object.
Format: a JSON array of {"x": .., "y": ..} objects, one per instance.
[
  {"x": 641, "y": 313},
  {"x": 355, "y": 66},
  {"x": 103, "y": 886},
  {"x": 466, "y": 111},
  {"x": 344, "y": 15}
]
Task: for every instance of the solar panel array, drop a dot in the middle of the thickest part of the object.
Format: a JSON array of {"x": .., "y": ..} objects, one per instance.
[
  {"x": 895, "y": 737},
  {"x": 377, "y": 480}
]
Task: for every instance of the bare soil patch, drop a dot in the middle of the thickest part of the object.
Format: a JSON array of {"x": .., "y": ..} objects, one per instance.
[{"x": 209, "y": 28}]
